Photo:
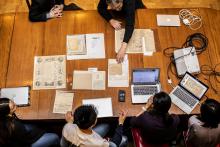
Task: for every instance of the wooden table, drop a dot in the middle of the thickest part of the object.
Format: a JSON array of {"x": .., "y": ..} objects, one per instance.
[{"x": 23, "y": 40}]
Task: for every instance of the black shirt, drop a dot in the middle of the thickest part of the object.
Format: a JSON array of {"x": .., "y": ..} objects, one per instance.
[
  {"x": 128, "y": 9},
  {"x": 40, "y": 8}
]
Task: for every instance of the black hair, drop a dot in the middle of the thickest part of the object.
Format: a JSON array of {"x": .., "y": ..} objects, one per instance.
[
  {"x": 161, "y": 106},
  {"x": 85, "y": 116},
  {"x": 210, "y": 113},
  {"x": 110, "y": 1},
  {"x": 6, "y": 122}
]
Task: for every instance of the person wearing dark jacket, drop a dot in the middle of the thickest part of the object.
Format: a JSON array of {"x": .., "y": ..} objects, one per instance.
[
  {"x": 155, "y": 123},
  {"x": 127, "y": 8},
  {"x": 42, "y": 10},
  {"x": 16, "y": 134}
]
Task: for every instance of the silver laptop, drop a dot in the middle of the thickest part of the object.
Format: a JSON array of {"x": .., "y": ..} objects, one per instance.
[
  {"x": 186, "y": 60},
  {"x": 187, "y": 94},
  {"x": 145, "y": 83},
  {"x": 168, "y": 20}
]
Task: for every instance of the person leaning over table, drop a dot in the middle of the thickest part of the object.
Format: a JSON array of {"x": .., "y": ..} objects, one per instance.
[
  {"x": 127, "y": 7},
  {"x": 42, "y": 10},
  {"x": 80, "y": 130},
  {"x": 155, "y": 123},
  {"x": 13, "y": 133},
  {"x": 204, "y": 130}
]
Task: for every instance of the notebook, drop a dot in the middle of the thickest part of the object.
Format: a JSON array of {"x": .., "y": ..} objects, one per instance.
[
  {"x": 187, "y": 94},
  {"x": 145, "y": 83}
]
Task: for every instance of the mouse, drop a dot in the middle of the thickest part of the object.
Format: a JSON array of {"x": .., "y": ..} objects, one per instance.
[{"x": 121, "y": 96}]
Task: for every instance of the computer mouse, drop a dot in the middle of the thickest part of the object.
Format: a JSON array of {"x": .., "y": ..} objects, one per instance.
[{"x": 121, "y": 96}]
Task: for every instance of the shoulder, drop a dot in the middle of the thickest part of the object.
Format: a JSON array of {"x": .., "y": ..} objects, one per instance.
[
  {"x": 69, "y": 130},
  {"x": 193, "y": 120}
]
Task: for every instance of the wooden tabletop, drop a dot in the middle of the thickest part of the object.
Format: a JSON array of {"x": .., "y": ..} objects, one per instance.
[{"x": 22, "y": 40}]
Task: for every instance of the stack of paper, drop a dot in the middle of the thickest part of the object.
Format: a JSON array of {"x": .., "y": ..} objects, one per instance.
[
  {"x": 85, "y": 46},
  {"x": 103, "y": 105}
]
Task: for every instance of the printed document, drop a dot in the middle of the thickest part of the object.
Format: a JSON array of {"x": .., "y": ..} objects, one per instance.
[
  {"x": 90, "y": 80},
  {"x": 49, "y": 72},
  {"x": 103, "y": 105},
  {"x": 142, "y": 41},
  {"x": 20, "y": 95},
  {"x": 85, "y": 46},
  {"x": 118, "y": 73},
  {"x": 63, "y": 102}
]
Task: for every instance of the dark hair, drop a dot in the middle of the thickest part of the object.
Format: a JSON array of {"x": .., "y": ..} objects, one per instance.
[
  {"x": 85, "y": 116},
  {"x": 111, "y": 1},
  {"x": 210, "y": 113},
  {"x": 6, "y": 122},
  {"x": 161, "y": 106}
]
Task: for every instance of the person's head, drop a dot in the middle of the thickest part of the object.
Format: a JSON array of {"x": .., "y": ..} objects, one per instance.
[
  {"x": 7, "y": 107},
  {"x": 161, "y": 102},
  {"x": 85, "y": 116},
  {"x": 115, "y": 4},
  {"x": 210, "y": 113}
]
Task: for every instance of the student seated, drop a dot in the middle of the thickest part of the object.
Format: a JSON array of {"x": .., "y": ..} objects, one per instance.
[
  {"x": 126, "y": 8},
  {"x": 81, "y": 132},
  {"x": 16, "y": 134},
  {"x": 42, "y": 10},
  {"x": 156, "y": 124},
  {"x": 204, "y": 130}
]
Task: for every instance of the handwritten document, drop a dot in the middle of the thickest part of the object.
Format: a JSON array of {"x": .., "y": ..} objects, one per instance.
[
  {"x": 49, "y": 72},
  {"x": 63, "y": 102}
]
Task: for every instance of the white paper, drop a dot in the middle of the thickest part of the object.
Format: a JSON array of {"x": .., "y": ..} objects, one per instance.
[
  {"x": 103, "y": 105},
  {"x": 49, "y": 72},
  {"x": 95, "y": 48},
  {"x": 63, "y": 102},
  {"x": 19, "y": 95},
  {"x": 118, "y": 74}
]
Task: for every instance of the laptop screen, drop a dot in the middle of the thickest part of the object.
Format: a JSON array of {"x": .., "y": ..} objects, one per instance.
[
  {"x": 194, "y": 86},
  {"x": 145, "y": 76}
]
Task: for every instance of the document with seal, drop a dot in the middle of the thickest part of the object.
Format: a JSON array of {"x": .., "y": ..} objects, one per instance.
[
  {"x": 103, "y": 105},
  {"x": 90, "y": 80},
  {"x": 49, "y": 72},
  {"x": 118, "y": 73},
  {"x": 63, "y": 102}
]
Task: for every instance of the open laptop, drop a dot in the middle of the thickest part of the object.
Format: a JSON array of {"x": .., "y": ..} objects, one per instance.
[
  {"x": 187, "y": 94},
  {"x": 168, "y": 20},
  {"x": 145, "y": 83}
]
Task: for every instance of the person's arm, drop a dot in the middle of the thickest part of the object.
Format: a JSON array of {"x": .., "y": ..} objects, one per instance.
[
  {"x": 102, "y": 9},
  {"x": 36, "y": 13},
  {"x": 137, "y": 121}
]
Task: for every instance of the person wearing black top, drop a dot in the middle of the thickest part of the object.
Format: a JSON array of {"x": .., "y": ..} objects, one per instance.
[
  {"x": 42, "y": 10},
  {"x": 16, "y": 134},
  {"x": 155, "y": 123},
  {"x": 126, "y": 7}
]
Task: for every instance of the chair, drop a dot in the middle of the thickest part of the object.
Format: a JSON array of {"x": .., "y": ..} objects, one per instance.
[
  {"x": 28, "y": 4},
  {"x": 138, "y": 141}
]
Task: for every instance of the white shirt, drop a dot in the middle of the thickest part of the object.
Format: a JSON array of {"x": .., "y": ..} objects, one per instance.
[{"x": 73, "y": 134}]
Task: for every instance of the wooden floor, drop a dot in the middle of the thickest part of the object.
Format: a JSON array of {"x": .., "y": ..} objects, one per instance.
[{"x": 7, "y": 6}]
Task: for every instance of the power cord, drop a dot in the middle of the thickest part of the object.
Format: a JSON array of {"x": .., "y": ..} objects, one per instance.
[
  {"x": 191, "y": 18},
  {"x": 196, "y": 40}
]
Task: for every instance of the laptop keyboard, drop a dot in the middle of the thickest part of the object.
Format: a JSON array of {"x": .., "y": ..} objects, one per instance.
[
  {"x": 145, "y": 90},
  {"x": 185, "y": 97}
]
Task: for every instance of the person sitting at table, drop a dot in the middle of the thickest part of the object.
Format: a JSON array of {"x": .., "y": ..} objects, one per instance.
[
  {"x": 16, "y": 134},
  {"x": 126, "y": 7},
  {"x": 42, "y": 10},
  {"x": 82, "y": 133},
  {"x": 204, "y": 130},
  {"x": 156, "y": 125}
]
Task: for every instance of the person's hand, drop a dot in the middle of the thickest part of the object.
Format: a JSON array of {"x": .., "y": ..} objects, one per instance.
[
  {"x": 121, "y": 53},
  {"x": 122, "y": 116},
  {"x": 69, "y": 117},
  {"x": 115, "y": 24},
  {"x": 149, "y": 103},
  {"x": 56, "y": 11}
]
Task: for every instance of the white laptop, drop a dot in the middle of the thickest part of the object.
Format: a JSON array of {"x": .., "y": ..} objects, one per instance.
[
  {"x": 187, "y": 94},
  {"x": 168, "y": 20},
  {"x": 145, "y": 83},
  {"x": 186, "y": 60}
]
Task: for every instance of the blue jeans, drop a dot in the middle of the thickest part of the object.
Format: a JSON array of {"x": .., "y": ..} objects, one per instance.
[{"x": 47, "y": 140}]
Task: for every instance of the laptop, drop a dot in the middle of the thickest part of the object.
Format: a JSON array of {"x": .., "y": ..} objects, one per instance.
[
  {"x": 187, "y": 94},
  {"x": 186, "y": 60},
  {"x": 168, "y": 20},
  {"x": 145, "y": 83}
]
